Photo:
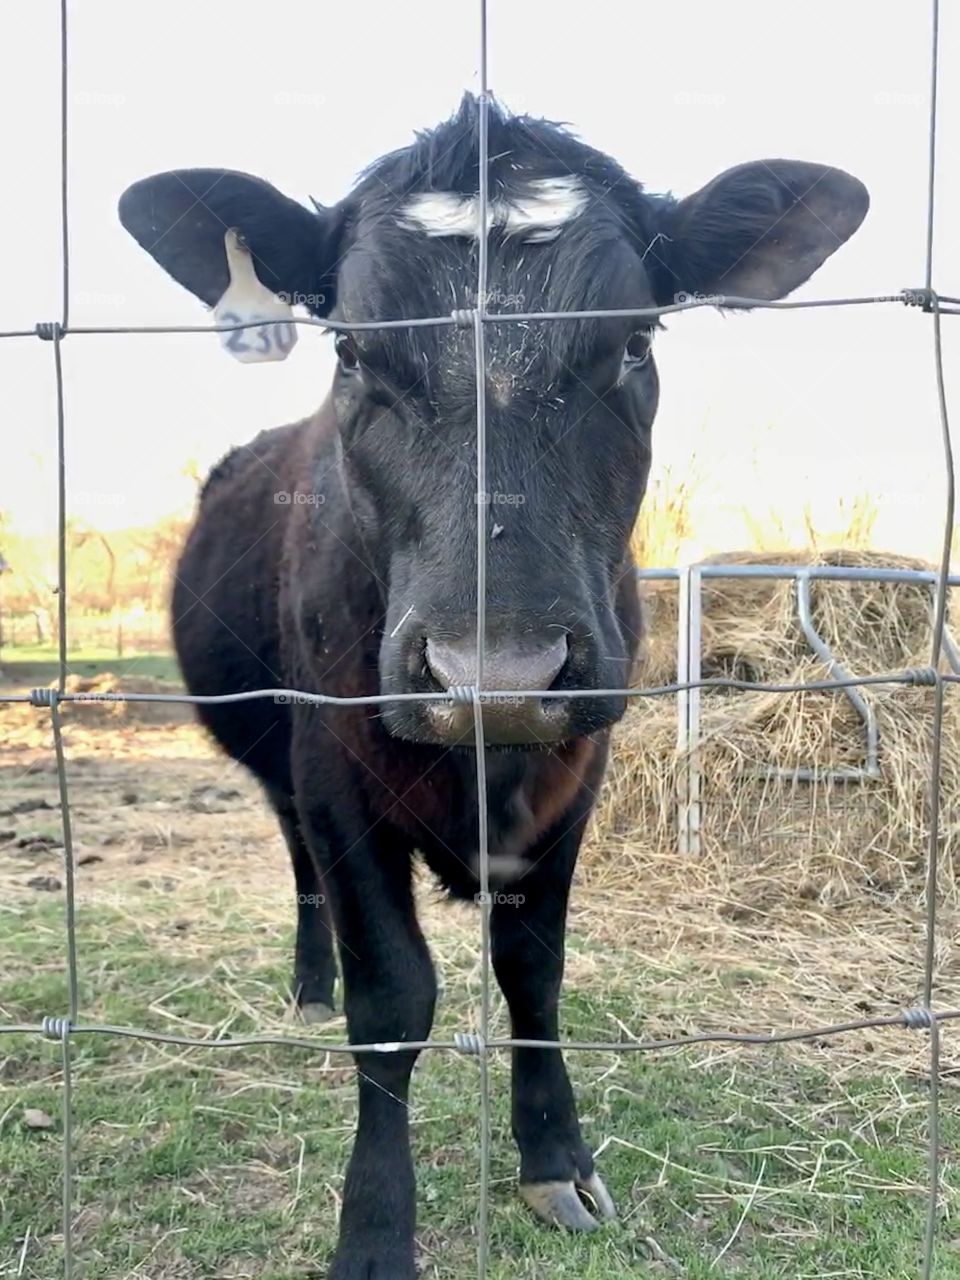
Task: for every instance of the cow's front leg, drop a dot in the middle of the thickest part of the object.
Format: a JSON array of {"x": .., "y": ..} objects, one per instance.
[
  {"x": 389, "y": 993},
  {"x": 527, "y": 928}
]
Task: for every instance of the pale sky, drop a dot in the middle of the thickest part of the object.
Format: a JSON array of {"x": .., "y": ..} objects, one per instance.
[{"x": 780, "y": 409}]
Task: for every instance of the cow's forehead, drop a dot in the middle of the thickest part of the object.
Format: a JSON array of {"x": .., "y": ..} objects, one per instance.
[
  {"x": 554, "y": 243},
  {"x": 534, "y": 211},
  {"x": 567, "y": 230},
  {"x": 541, "y": 179}
]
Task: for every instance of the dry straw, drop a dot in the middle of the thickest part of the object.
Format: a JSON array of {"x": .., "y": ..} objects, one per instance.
[{"x": 773, "y": 836}]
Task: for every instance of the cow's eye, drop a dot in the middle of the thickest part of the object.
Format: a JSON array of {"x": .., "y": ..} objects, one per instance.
[
  {"x": 347, "y": 353},
  {"x": 637, "y": 350}
]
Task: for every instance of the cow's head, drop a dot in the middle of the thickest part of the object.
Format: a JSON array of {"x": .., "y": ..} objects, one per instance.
[{"x": 569, "y": 404}]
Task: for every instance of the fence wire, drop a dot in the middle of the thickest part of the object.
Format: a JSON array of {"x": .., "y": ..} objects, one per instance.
[{"x": 66, "y": 1029}]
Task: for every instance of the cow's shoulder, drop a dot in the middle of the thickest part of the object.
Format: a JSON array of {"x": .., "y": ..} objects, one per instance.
[{"x": 265, "y": 453}]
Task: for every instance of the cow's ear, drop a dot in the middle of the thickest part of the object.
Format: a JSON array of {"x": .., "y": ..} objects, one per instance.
[
  {"x": 181, "y": 218},
  {"x": 758, "y": 230}
]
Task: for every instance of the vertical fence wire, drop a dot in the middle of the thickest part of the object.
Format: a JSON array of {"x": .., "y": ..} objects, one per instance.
[
  {"x": 483, "y": 840},
  {"x": 57, "y": 335},
  {"x": 64, "y": 1028},
  {"x": 66, "y": 1067},
  {"x": 939, "y": 692},
  {"x": 69, "y": 865},
  {"x": 64, "y": 174},
  {"x": 932, "y": 137}
]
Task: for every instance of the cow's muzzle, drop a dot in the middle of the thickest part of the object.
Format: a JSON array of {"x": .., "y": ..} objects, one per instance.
[{"x": 512, "y": 714}]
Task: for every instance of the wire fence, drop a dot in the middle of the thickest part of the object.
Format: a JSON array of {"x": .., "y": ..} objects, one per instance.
[{"x": 67, "y": 1028}]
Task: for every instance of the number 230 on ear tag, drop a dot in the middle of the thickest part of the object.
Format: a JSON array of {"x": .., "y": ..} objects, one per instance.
[{"x": 248, "y": 301}]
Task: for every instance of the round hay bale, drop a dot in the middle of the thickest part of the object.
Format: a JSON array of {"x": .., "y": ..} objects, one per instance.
[{"x": 775, "y": 836}]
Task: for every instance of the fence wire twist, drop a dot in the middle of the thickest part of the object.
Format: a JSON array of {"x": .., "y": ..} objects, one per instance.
[{"x": 480, "y": 1045}]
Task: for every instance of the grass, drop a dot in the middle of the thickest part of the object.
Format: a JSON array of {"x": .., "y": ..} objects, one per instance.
[
  {"x": 35, "y": 664},
  {"x": 229, "y": 1163}
]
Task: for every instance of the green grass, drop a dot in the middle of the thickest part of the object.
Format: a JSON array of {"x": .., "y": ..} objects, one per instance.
[
  {"x": 229, "y": 1163},
  {"x": 32, "y": 664}
]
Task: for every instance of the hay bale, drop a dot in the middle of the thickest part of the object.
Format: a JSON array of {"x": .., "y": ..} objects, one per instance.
[{"x": 772, "y": 839}]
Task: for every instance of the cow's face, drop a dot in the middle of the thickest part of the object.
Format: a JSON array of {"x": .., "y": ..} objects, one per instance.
[
  {"x": 569, "y": 404},
  {"x": 569, "y": 410}
]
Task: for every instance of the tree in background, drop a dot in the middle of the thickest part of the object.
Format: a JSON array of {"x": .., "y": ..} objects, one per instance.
[{"x": 118, "y": 584}]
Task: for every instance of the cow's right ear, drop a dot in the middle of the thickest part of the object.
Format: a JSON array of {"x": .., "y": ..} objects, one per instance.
[{"x": 181, "y": 218}]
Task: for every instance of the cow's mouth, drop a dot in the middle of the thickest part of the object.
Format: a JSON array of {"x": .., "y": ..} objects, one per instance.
[{"x": 507, "y": 721}]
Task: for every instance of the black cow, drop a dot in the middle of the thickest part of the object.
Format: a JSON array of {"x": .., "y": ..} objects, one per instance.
[{"x": 365, "y": 581}]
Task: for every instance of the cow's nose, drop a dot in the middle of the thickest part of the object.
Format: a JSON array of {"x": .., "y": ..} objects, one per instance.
[
  {"x": 504, "y": 666},
  {"x": 507, "y": 717}
]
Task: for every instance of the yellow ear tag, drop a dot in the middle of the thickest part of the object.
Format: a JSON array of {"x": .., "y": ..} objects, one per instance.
[{"x": 248, "y": 301}]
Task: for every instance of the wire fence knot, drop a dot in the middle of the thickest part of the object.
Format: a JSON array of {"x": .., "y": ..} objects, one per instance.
[
  {"x": 44, "y": 697},
  {"x": 918, "y": 298},
  {"x": 55, "y": 1028},
  {"x": 469, "y": 1042},
  {"x": 463, "y": 317},
  {"x": 922, "y": 675},
  {"x": 49, "y": 330},
  {"x": 462, "y": 693},
  {"x": 918, "y": 1019}
]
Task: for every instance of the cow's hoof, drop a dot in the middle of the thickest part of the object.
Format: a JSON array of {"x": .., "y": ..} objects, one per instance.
[
  {"x": 316, "y": 1012},
  {"x": 559, "y": 1203},
  {"x": 598, "y": 1195},
  {"x": 373, "y": 1264}
]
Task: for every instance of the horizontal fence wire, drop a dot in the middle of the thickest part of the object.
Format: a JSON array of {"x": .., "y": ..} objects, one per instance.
[
  {"x": 908, "y": 675},
  {"x": 919, "y": 1018},
  {"x": 922, "y": 298},
  {"x": 66, "y": 1029}
]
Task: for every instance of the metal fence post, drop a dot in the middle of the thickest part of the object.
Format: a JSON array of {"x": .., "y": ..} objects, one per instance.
[{"x": 689, "y": 627}]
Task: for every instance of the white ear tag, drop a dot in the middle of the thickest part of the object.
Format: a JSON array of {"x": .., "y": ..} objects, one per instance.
[{"x": 248, "y": 301}]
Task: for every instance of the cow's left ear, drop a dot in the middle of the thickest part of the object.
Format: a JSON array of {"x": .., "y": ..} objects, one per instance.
[
  {"x": 758, "y": 230},
  {"x": 181, "y": 218}
]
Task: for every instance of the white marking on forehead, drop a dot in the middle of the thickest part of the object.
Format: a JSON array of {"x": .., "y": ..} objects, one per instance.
[{"x": 536, "y": 214}]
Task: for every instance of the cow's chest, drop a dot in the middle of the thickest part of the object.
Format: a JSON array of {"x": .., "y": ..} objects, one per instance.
[{"x": 431, "y": 795}]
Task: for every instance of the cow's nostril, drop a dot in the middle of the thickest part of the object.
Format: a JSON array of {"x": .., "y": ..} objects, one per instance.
[{"x": 505, "y": 666}]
